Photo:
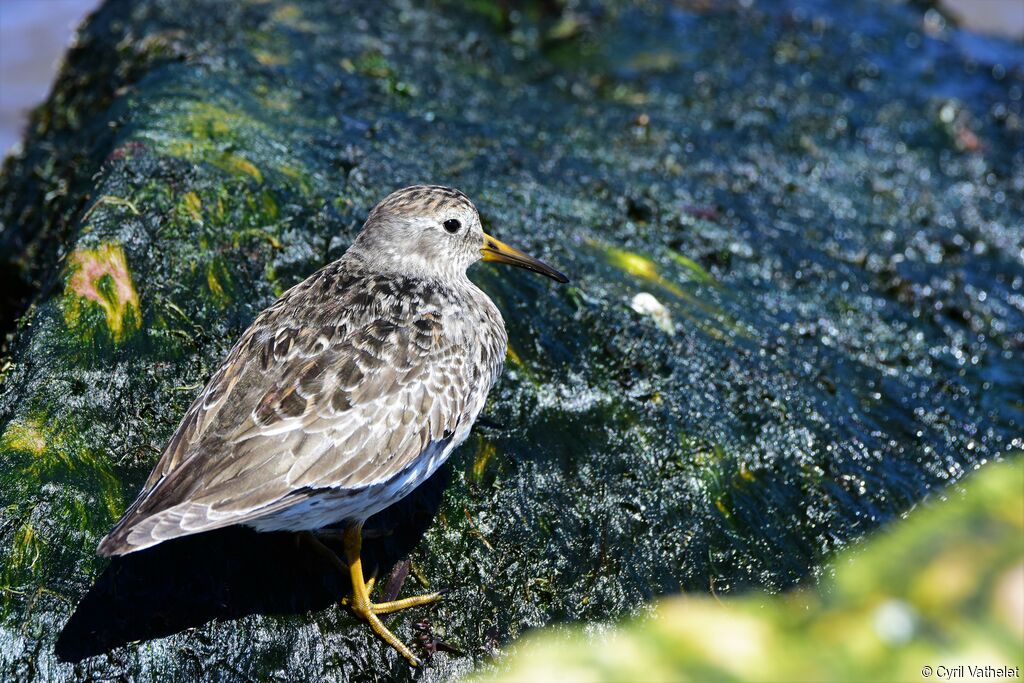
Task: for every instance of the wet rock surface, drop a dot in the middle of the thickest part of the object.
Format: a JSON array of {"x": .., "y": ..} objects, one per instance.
[{"x": 818, "y": 207}]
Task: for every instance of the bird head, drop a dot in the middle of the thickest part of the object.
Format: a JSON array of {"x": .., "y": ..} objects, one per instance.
[{"x": 434, "y": 231}]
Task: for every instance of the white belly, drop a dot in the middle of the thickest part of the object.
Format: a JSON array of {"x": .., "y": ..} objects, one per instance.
[{"x": 331, "y": 506}]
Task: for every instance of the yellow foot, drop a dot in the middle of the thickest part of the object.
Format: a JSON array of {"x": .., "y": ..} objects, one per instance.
[
  {"x": 369, "y": 589},
  {"x": 404, "y": 603},
  {"x": 368, "y": 611},
  {"x": 359, "y": 601}
]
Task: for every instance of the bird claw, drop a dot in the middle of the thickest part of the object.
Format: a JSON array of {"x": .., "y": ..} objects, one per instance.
[{"x": 369, "y": 611}]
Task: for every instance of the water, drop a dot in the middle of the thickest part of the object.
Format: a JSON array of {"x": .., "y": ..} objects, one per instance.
[{"x": 33, "y": 36}]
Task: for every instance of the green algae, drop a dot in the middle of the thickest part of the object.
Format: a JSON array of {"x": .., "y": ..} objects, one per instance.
[
  {"x": 203, "y": 132},
  {"x": 210, "y": 133},
  {"x": 99, "y": 280},
  {"x": 111, "y": 200},
  {"x": 638, "y": 266},
  {"x": 38, "y": 454},
  {"x": 48, "y": 453},
  {"x": 698, "y": 310},
  {"x": 191, "y": 206},
  {"x": 26, "y": 437},
  {"x": 375, "y": 65},
  {"x": 25, "y": 552},
  {"x": 694, "y": 269},
  {"x": 217, "y": 278}
]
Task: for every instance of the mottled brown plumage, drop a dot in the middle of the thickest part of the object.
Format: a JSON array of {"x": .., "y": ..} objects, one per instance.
[{"x": 346, "y": 393}]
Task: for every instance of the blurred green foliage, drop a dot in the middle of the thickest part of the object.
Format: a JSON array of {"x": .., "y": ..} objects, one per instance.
[{"x": 943, "y": 588}]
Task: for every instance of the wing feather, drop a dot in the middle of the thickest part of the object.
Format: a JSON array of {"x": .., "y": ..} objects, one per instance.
[{"x": 308, "y": 400}]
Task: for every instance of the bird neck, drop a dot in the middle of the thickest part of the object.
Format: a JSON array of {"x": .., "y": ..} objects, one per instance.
[{"x": 386, "y": 261}]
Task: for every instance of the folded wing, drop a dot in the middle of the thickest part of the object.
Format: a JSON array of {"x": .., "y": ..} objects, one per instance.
[{"x": 344, "y": 403}]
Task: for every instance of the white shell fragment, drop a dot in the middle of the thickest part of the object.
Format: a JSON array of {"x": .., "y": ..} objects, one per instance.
[{"x": 644, "y": 303}]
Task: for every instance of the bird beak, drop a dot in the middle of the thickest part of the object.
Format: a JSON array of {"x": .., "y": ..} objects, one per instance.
[{"x": 496, "y": 250}]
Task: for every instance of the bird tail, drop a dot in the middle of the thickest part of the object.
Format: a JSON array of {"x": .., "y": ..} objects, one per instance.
[
  {"x": 116, "y": 542},
  {"x": 142, "y": 528}
]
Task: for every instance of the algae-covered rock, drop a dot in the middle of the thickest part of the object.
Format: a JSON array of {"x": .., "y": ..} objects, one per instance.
[{"x": 819, "y": 208}]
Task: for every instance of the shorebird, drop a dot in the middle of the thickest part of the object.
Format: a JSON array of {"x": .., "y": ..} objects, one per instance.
[{"x": 342, "y": 396}]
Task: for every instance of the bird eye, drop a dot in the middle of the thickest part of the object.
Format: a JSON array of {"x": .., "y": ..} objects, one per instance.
[{"x": 452, "y": 225}]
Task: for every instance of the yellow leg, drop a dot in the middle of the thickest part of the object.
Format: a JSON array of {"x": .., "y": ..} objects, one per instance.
[
  {"x": 360, "y": 603},
  {"x": 369, "y": 589}
]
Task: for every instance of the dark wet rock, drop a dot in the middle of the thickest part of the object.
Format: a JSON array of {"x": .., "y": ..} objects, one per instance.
[{"x": 818, "y": 205}]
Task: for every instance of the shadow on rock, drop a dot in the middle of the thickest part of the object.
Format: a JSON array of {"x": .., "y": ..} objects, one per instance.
[{"x": 232, "y": 573}]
